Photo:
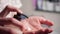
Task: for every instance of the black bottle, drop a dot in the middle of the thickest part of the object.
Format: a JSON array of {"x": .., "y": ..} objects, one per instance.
[{"x": 20, "y": 16}]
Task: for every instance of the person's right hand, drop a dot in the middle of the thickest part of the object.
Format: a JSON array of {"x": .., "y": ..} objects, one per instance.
[
  {"x": 9, "y": 9},
  {"x": 9, "y": 21}
]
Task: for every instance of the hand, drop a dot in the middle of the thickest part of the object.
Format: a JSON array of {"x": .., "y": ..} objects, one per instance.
[
  {"x": 9, "y": 9},
  {"x": 34, "y": 23}
]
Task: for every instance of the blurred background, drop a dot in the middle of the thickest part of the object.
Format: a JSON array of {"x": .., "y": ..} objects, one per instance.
[{"x": 29, "y": 10}]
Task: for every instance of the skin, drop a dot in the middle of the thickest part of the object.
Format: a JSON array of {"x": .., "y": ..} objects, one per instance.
[{"x": 33, "y": 22}]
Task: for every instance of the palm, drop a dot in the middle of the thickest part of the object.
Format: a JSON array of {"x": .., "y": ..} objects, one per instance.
[{"x": 33, "y": 25}]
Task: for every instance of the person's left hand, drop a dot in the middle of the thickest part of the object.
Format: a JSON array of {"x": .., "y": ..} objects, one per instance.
[{"x": 33, "y": 25}]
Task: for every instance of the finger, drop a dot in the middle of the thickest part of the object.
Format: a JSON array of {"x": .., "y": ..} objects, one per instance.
[
  {"x": 12, "y": 8},
  {"x": 4, "y": 30},
  {"x": 4, "y": 21},
  {"x": 45, "y": 21},
  {"x": 19, "y": 11},
  {"x": 39, "y": 32},
  {"x": 48, "y": 30},
  {"x": 17, "y": 23},
  {"x": 8, "y": 30}
]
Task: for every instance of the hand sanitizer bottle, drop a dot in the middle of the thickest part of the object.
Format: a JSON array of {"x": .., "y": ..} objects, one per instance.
[{"x": 20, "y": 16}]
